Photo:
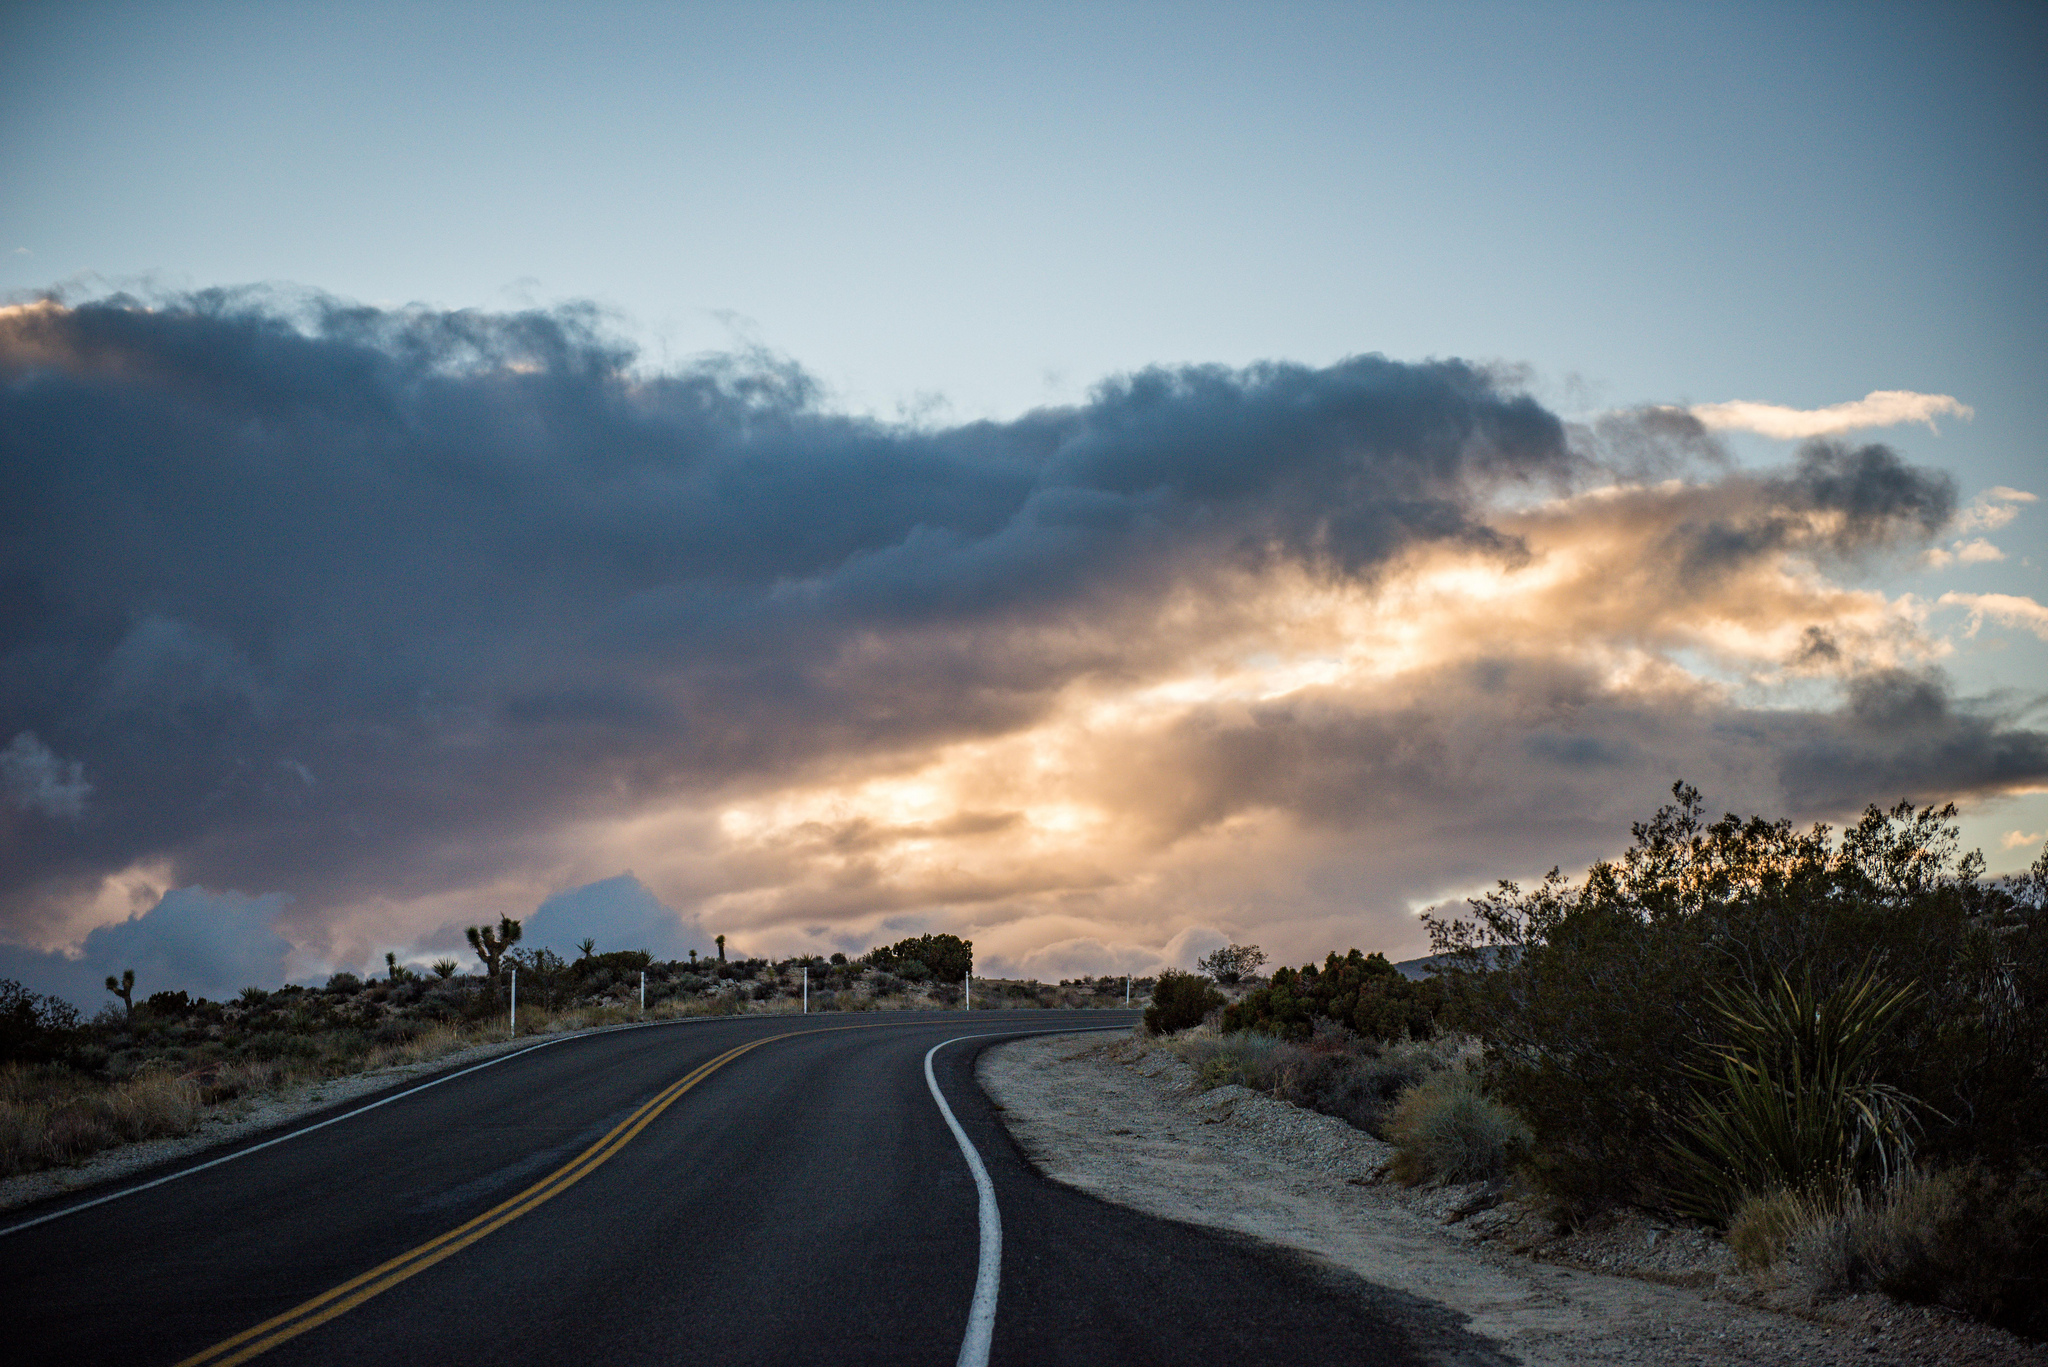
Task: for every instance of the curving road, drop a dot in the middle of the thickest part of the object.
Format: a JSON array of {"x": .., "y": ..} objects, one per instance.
[{"x": 743, "y": 1190}]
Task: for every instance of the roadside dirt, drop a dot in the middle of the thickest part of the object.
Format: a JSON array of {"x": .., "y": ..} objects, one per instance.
[{"x": 1123, "y": 1121}]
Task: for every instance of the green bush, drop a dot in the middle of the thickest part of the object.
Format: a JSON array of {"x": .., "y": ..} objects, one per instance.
[
  {"x": 945, "y": 957},
  {"x": 612, "y": 966},
  {"x": 1445, "y": 1129},
  {"x": 1361, "y": 992},
  {"x": 1180, "y": 1000}
]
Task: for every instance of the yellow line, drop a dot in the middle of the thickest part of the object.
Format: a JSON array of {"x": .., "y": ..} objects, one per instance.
[{"x": 384, "y": 1276}]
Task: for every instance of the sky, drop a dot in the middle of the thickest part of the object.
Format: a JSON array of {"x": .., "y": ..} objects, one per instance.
[{"x": 1101, "y": 480}]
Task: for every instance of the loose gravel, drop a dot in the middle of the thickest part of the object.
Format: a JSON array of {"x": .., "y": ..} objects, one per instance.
[{"x": 1123, "y": 1120}]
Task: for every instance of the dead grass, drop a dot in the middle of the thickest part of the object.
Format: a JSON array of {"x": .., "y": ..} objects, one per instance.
[
  {"x": 1764, "y": 1227},
  {"x": 49, "y": 1117}
]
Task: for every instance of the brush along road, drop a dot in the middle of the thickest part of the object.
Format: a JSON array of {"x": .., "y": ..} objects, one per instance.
[{"x": 741, "y": 1190}]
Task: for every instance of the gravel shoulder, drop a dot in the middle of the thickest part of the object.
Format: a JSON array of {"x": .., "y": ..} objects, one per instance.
[{"x": 1123, "y": 1121}]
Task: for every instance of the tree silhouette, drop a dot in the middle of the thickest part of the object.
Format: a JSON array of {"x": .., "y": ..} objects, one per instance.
[
  {"x": 491, "y": 946},
  {"x": 124, "y": 989}
]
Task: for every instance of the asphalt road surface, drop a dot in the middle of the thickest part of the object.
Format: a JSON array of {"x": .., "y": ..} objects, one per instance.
[{"x": 738, "y": 1190}]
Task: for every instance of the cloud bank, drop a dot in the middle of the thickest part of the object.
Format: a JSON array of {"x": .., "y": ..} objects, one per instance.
[{"x": 415, "y": 617}]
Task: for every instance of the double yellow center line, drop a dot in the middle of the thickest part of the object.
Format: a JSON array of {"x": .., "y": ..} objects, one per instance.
[{"x": 350, "y": 1294}]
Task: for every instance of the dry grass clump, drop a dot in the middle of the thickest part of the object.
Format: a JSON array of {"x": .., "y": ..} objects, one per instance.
[
  {"x": 1966, "y": 1239},
  {"x": 1764, "y": 1227},
  {"x": 48, "y": 1118},
  {"x": 1447, "y": 1130}
]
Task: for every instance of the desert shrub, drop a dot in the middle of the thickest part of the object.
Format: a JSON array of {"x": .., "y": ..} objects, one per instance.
[
  {"x": 1445, "y": 1129},
  {"x": 1179, "y": 1001},
  {"x": 1595, "y": 1000},
  {"x": 396, "y": 1031},
  {"x": 33, "y": 1027},
  {"x": 1362, "y": 992},
  {"x": 945, "y": 957},
  {"x": 1232, "y": 962},
  {"x": 1244, "y": 1058},
  {"x": 1361, "y": 1088},
  {"x": 1334, "y": 1072},
  {"x": 1970, "y": 1239}
]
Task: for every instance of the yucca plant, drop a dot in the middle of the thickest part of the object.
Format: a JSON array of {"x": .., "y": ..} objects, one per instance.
[{"x": 1792, "y": 1101}]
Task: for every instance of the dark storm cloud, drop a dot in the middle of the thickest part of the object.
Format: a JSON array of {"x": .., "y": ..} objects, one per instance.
[
  {"x": 315, "y": 597},
  {"x": 1903, "y": 734},
  {"x": 1840, "y": 499},
  {"x": 1876, "y": 493}
]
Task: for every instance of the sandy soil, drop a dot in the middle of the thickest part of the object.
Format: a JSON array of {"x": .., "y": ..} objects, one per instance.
[{"x": 1122, "y": 1121}]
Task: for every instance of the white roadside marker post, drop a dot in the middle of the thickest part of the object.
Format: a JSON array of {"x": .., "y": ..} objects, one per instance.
[{"x": 515, "y": 1003}]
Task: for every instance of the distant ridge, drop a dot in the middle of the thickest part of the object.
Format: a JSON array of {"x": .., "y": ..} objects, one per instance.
[{"x": 1419, "y": 969}]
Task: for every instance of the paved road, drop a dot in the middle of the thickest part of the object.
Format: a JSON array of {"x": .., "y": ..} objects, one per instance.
[{"x": 746, "y": 1190}]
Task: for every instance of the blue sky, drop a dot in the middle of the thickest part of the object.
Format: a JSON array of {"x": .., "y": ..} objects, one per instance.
[
  {"x": 946, "y": 213},
  {"x": 999, "y": 205}
]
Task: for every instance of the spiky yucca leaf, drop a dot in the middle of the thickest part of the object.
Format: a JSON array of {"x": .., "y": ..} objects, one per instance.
[{"x": 1791, "y": 1102}]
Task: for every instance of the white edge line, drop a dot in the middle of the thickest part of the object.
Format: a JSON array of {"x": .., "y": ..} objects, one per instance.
[
  {"x": 337, "y": 1119},
  {"x": 988, "y": 1272}
]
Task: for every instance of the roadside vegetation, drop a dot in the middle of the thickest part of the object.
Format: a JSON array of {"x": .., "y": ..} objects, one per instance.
[
  {"x": 1832, "y": 1046},
  {"x": 152, "y": 1066}
]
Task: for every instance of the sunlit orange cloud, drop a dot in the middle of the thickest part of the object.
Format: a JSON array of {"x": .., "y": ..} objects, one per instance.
[{"x": 1097, "y": 834}]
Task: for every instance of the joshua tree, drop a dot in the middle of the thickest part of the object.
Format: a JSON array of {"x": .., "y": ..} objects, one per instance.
[
  {"x": 721, "y": 949},
  {"x": 587, "y": 945},
  {"x": 490, "y": 946},
  {"x": 444, "y": 969},
  {"x": 124, "y": 988}
]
